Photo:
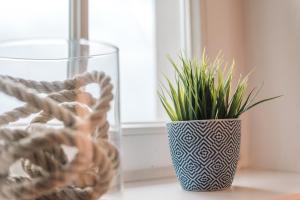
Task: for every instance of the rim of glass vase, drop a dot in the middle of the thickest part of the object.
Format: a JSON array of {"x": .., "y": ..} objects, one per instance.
[{"x": 106, "y": 48}]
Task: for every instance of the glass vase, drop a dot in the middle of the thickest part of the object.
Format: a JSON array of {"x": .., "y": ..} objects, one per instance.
[{"x": 57, "y": 60}]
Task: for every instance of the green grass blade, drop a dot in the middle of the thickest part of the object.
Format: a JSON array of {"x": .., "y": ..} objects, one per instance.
[{"x": 203, "y": 90}]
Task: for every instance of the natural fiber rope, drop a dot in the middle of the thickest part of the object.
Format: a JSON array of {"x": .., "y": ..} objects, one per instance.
[
  {"x": 63, "y": 96},
  {"x": 51, "y": 175}
]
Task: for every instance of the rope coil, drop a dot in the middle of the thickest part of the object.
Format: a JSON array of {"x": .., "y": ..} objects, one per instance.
[{"x": 50, "y": 174}]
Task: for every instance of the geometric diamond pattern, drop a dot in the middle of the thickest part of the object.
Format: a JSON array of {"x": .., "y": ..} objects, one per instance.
[{"x": 205, "y": 153}]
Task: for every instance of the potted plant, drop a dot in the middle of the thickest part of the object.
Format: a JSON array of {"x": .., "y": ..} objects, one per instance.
[{"x": 205, "y": 132}]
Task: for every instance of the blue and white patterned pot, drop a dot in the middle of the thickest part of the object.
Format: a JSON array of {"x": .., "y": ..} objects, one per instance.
[{"x": 205, "y": 153}]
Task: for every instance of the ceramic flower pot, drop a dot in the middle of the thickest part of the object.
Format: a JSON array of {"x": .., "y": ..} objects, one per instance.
[{"x": 205, "y": 153}]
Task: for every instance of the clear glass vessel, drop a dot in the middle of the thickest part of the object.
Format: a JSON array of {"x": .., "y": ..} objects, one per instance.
[{"x": 55, "y": 60}]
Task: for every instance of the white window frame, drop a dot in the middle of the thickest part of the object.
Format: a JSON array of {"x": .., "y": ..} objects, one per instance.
[
  {"x": 78, "y": 29},
  {"x": 145, "y": 145}
]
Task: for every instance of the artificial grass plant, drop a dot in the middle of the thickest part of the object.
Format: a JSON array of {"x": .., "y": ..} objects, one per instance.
[{"x": 203, "y": 90}]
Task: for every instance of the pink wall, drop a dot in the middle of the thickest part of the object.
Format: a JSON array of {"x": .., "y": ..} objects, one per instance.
[
  {"x": 273, "y": 47},
  {"x": 264, "y": 34},
  {"x": 222, "y": 25},
  {"x": 223, "y": 29}
]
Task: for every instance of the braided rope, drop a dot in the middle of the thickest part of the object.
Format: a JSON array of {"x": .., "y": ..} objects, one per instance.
[
  {"x": 50, "y": 174},
  {"x": 62, "y": 96}
]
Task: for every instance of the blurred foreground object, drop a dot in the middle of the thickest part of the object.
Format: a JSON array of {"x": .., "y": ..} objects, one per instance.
[{"x": 41, "y": 148}]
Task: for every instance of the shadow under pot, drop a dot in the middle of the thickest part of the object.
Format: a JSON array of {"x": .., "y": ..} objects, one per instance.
[{"x": 205, "y": 153}]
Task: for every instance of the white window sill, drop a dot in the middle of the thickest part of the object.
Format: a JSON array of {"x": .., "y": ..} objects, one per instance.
[
  {"x": 248, "y": 185},
  {"x": 145, "y": 151}
]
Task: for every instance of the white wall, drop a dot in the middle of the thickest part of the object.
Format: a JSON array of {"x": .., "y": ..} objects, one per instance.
[{"x": 272, "y": 35}]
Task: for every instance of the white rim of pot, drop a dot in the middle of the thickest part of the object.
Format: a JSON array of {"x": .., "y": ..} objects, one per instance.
[{"x": 204, "y": 120}]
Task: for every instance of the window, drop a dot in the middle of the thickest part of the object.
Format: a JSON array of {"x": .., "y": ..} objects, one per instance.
[
  {"x": 145, "y": 32},
  {"x": 30, "y": 19},
  {"x": 33, "y": 18},
  {"x": 130, "y": 25}
]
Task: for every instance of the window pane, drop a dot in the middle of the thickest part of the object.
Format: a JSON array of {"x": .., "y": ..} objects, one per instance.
[
  {"x": 129, "y": 24},
  {"x": 33, "y": 18}
]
